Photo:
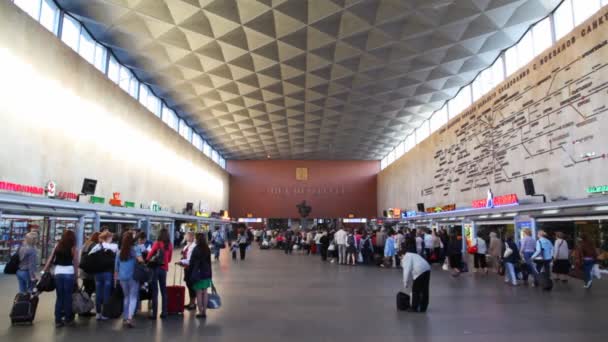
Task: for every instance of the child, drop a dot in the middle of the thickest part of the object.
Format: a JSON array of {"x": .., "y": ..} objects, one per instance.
[{"x": 234, "y": 249}]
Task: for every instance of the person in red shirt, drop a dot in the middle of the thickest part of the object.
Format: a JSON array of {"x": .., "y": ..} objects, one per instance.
[{"x": 160, "y": 267}]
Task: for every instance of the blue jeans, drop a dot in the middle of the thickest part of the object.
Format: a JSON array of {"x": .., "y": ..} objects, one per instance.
[
  {"x": 531, "y": 267},
  {"x": 587, "y": 268},
  {"x": 103, "y": 289},
  {"x": 510, "y": 273},
  {"x": 25, "y": 283},
  {"x": 159, "y": 279},
  {"x": 216, "y": 251},
  {"x": 64, "y": 284},
  {"x": 130, "y": 289}
]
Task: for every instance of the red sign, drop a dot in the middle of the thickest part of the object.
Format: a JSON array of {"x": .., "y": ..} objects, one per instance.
[
  {"x": 115, "y": 201},
  {"x": 499, "y": 201},
  {"x": 70, "y": 196},
  {"x": 34, "y": 190}
]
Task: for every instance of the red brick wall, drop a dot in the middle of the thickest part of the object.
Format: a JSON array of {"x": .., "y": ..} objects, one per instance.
[{"x": 269, "y": 189}]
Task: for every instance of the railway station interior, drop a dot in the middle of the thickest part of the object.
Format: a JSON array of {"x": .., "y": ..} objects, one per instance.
[{"x": 329, "y": 170}]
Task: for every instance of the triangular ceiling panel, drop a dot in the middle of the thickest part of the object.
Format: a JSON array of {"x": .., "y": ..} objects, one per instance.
[{"x": 287, "y": 78}]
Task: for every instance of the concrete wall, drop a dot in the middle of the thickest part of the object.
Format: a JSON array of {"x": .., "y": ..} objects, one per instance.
[
  {"x": 61, "y": 119},
  {"x": 269, "y": 188},
  {"x": 547, "y": 122}
]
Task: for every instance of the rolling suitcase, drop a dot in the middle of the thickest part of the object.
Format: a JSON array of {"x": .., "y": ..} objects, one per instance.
[
  {"x": 176, "y": 297},
  {"x": 403, "y": 301},
  {"x": 24, "y": 308}
]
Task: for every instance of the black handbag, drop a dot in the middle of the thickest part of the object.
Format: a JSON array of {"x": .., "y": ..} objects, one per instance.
[
  {"x": 100, "y": 261},
  {"x": 12, "y": 266},
  {"x": 46, "y": 283},
  {"x": 158, "y": 259},
  {"x": 142, "y": 273}
]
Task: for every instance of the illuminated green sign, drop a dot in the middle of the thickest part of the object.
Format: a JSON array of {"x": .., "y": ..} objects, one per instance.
[
  {"x": 129, "y": 204},
  {"x": 97, "y": 200},
  {"x": 597, "y": 189}
]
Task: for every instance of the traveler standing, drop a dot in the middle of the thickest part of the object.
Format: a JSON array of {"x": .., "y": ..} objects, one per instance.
[
  {"x": 419, "y": 242},
  {"x": 417, "y": 271},
  {"x": 218, "y": 242},
  {"x": 28, "y": 258},
  {"x": 65, "y": 259},
  {"x": 162, "y": 251},
  {"x": 587, "y": 257},
  {"x": 340, "y": 237},
  {"x": 242, "y": 241},
  {"x": 495, "y": 251},
  {"x": 455, "y": 254},
  {"x": 351, "y": 249},
  {"x": 367, "y": 248},
  {"x": 436, "y": 247},
  {"x": 185, "y": 262},
  {"x": 324, "y": 245},
  {"x": 380, "y": 239},
  {"x": 389, "y": 250},
  {"x": 201, "y": 275},
  {"x": 561, "y": 258},
  {"x": 480, "y": 255},
  {"x": 544, "y": 253},
  {"x": 428, "y": 244},
  {"x": 511, "y": 259},
  {"x": 317, "y": 240},
  {"x": 124, "y": 270},
  {"x": 289, "y": 237},
  {"x": 103, "y": 279},
  {"x": 528, "y": 247},
  {"x": 88, "y": 280}
]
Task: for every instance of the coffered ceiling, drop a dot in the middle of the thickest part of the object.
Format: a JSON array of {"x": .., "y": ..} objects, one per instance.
[{"x": 307, "y": 79}]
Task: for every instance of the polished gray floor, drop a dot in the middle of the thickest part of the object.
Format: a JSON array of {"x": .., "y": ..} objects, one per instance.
[{"x": 273, "y": 297}]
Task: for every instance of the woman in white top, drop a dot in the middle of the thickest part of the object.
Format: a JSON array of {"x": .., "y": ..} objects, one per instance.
[
  {"x": 480, "y": 257},
  {"x": 561, "y": 258},
  {"x": 185, "y": 262}
]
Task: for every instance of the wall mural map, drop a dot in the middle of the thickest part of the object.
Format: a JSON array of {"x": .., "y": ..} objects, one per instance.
[{"x": 531, "y": 125}]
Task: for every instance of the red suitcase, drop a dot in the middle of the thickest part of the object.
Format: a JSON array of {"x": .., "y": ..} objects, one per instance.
[{"x": 176, "y": 296}]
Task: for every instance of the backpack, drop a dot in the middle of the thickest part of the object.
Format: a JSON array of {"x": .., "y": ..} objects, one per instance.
[
  {"x": 12, "y": 266},
  {"x": 100, "y": 261},
  {"x": 350, "y": 240}
]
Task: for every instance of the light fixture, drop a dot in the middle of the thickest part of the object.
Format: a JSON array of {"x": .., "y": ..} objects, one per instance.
[
  {"x": 483, "y": 216},
  {"x": 510, "y": 214},
  {"x": 601, "y": 208},
  {"x": 550, "y": 211},
  {"x": 496, "y": 215}
]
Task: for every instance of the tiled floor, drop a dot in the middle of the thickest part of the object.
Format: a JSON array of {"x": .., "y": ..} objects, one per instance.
[{"x": 273, "y": 297}]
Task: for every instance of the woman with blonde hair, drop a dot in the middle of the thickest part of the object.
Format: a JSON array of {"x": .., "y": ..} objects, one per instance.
[
  {"x": 527, "y": 249},
  {"x": 28, "y": 256}
]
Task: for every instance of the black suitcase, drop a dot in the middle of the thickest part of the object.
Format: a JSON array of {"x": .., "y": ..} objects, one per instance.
[
  {"x": 24, "y": 308},
  {"x": 403, "y": 301},
  {"x": 112, "y": 308}
]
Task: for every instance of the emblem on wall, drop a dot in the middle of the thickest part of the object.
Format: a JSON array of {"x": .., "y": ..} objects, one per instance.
[{"x": 302, "y": 173}]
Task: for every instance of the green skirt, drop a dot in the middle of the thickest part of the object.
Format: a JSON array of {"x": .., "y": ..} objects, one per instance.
[{"x": 202, "y": 284}]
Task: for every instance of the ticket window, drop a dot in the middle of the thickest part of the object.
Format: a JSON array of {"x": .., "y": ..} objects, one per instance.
[
  {"x": 568, "y": 228},
  {"x": 501, "y": 230}
]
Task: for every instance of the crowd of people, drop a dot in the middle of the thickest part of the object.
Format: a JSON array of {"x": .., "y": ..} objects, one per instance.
[
  {"x": 525, "y": 262},
  {"x": 139, "y": 267},
  {"x": 130, "y": 265}
]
